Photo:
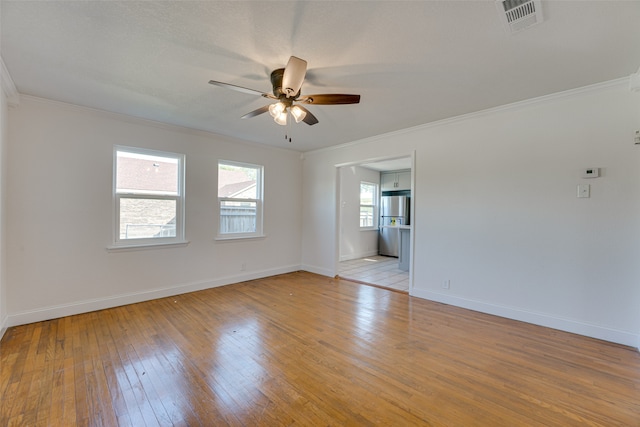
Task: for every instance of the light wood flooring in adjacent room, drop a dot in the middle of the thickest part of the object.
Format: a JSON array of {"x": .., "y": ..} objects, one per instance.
[
  {"x": 377, "y": 270},
  {"x": 306, "y": 350}
]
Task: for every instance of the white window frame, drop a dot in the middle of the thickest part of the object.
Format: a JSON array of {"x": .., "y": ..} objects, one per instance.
[
  {"x": 179, "y": 199},
  {"x": 374, "y": 205},
  {"x": 258, "y": 233}
]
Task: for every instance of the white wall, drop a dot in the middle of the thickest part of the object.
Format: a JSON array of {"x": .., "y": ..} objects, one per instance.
[
  {"x": 496, "y": 211},
  {"x": 355, "y": 243},
  {"x": 494, "y": 196},
  {"x": 3, "y": 139},
  {"x": 3, "y": 143},
  {"x": 59, "y": 211}
]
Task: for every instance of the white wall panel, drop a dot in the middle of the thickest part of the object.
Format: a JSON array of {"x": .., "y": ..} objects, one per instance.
[
  {"x": 3, "y": 163},
  {"x": 496, "y": 211},
  {"x": 60, "y": 213},
  {"x": 355, "y": 243}
]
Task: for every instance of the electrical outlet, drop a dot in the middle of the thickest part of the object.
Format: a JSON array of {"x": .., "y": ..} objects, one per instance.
[
  {"x": 243, "y": 267},
  {"x": 636, "y": 139},
  {"x": 446, "y": 284}
]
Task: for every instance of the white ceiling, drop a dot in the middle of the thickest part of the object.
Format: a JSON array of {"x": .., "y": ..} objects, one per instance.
[
  {"x": 389, "y": 164},
  {"x": 412, "y": 62}
]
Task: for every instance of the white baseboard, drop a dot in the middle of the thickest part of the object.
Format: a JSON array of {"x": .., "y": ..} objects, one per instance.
[
  {"x": 317, "y": 270},
  {"x": 541, "y": 319},
  {"x": 358, "y": 255},
  {"x": 568, "y": 325},
  {"x": 78, "y": 307},
  {"x": 3, "y": 326}
]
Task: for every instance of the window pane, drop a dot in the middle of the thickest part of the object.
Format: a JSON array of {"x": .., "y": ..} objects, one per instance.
[
  {"x": 367, "y": 193},
  {"x": 146, "y": 174},
  {"x": 366, "y": 216},
  {"x": 147, "y": 218},
  {"x": 237, "y": 217},
  {"x": 237, "y": 182}
]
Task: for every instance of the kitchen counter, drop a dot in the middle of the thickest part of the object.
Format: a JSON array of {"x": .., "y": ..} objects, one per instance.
[
  {"x": 404, "y": 254},
  {"x": 403, "y": 245}
]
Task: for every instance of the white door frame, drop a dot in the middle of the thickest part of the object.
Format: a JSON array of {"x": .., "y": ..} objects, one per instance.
[{"x": 337, "y": 234}]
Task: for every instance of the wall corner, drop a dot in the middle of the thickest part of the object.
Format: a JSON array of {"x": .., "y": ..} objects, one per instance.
[{"x": 9, "y": 88}]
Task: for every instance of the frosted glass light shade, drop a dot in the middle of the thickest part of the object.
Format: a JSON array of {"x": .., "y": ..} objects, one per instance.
[
  {"x": 276, "y": 109},
  {"x": 281, "y": 118},
  {"x": 298, "y": 113}
]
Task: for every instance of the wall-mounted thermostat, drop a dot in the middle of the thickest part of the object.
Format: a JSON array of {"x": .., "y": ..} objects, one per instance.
[{"x": 591, "y": 172}]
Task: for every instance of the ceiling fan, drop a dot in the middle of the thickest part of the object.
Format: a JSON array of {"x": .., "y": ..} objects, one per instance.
[{"x": 286, "y": 84}]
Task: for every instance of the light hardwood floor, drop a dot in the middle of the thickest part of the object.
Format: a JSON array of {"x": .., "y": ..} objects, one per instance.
[{"x": 306, "y": 350}]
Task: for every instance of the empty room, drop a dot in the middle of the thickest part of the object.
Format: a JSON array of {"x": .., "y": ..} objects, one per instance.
[{"x": 266, "y": 213}]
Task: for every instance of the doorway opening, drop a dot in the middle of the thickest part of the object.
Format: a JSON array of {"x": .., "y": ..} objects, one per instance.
[{"x": 363, "y": 252}]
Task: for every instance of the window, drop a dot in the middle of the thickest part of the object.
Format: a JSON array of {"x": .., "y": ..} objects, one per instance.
[
  {"x": 368, "y": 198},
  {"x": 239, "y": 199},
  {"x": 148, "y": 197}
]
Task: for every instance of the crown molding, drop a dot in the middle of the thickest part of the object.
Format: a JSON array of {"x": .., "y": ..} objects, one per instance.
[
  {"x": 634, "y": 82},
  {"x": 621, "y": 82},
  {"x": 149, "y": 123},
  {"x": 9, "y": 88}
]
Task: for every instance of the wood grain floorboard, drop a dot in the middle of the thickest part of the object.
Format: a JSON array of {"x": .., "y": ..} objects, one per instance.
[{"x": 306, "y": 350}]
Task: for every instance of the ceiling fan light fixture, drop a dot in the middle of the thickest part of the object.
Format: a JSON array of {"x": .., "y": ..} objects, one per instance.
[
  {"x": 287, "y": 83},
  {"x": 298, "y": 113},
  {"x": 281, "y": 118},
  {"x": 276, "y": 109}
]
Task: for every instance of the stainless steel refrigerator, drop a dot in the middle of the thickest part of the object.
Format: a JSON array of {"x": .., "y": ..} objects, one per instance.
[{"x": 394, "y": 211}]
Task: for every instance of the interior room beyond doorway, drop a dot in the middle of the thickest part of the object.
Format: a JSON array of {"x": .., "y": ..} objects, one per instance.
[
  {"x": 361, "y": 238},
  {"x": 378, "y": 270}
]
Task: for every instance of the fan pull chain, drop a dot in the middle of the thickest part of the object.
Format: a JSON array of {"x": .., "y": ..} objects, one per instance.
[{"x": 288, "y": 131}]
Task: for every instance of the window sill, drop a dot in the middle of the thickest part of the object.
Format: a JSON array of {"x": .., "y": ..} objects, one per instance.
[
  {"x": 146, "y": 246},
  {"x": 369, "y": 229},
  {"x": 237, "y": 238}
]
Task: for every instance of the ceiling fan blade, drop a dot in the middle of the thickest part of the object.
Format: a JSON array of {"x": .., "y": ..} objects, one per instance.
[
  {"x": 309, "y": 118},
  {"x": 241, "y": 89},
  {"x": 256, "y": 112},
  {"x": 330, "y": 99},
  {"x": 293, "y": 76}
]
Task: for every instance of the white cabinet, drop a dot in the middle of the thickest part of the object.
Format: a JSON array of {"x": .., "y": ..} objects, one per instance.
[
  {"x": 404, "y": 180},
  {"x": 388, "y": 181},
  {"x": 394, "y": 181}
]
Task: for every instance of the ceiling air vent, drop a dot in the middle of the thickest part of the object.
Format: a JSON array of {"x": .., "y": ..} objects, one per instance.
[{"x": 517, "y": 15}]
